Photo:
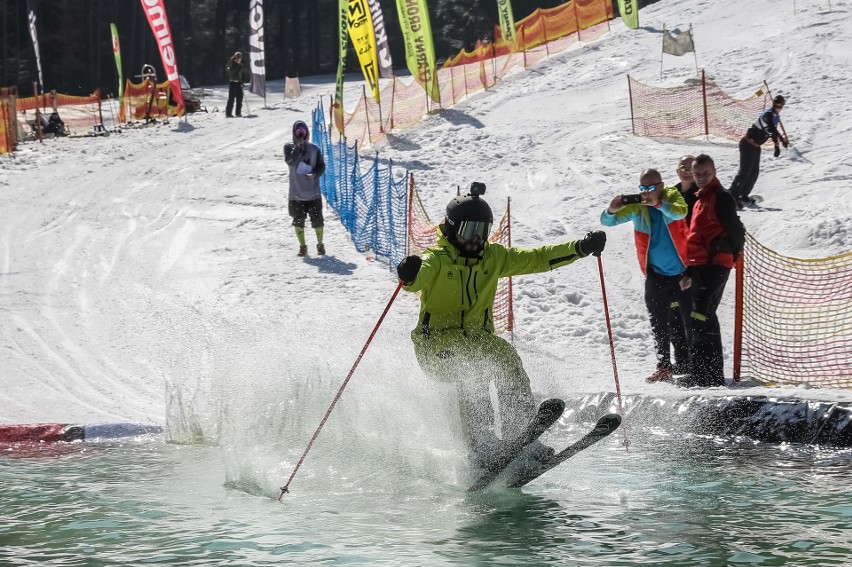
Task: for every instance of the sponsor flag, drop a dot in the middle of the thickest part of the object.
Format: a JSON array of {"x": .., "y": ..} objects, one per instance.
[
  {"x": 116, "y": 50},
  {"x": 342, "y": 21},
  {"x": 507, "y": 20},
  {"x": 159, "y": 22},
  {"x": 31, "y": 18},
  {"x": 382, "y": 46},
  {"x": 678, "y": 45},
  {"x": 257, "y": 59},
  {"x": 360, "y": 25},
  {"x": 419, "y": 50},
  {"x": 629, "y": 10}
]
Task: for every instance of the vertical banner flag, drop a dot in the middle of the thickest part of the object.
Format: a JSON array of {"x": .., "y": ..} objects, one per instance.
[
  {"x": 507, "y": 20},
  {"x": 680, "y": 44},
  {"x": 360, "y": 24},
  {"x": 629, "y": 10},
  {"x": 257, "y": 61},
  {"x": 383, "y": 49},
  {"x": 159, "y": 22},
  {"x": 31, "y": 18},
  {"x": 116, "y": 50},
  {"x": 419, "y": 51},
  {"x": 343, "y": 31}
]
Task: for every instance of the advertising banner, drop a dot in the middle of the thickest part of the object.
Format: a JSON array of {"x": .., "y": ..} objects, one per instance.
[
  {"x": 419, "y": 50},
  {"x": 159, "y": 22},
  {"x": 257, "y": 56}
]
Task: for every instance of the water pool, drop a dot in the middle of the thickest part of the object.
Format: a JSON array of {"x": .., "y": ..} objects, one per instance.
[{"x": 667, "y": 500}]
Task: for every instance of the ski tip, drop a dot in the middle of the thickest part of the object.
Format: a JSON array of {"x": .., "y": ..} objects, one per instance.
[
  {"x": 610, "y": 421},
  {"x": 552, "y": 405}
]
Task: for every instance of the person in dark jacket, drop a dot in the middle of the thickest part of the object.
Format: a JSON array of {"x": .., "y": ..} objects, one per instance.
[
  {"x": 305, "y": 198},
  {"x": 454, "y": 339},
  {"x": 237, "y": 75},
  {"x": 763, "y": 129},
  {"x": 660, "y": 233},
  {"x": 715, "y": 240}
]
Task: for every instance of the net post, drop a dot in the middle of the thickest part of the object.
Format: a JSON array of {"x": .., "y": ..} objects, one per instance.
[
  {"x": 630, "y": 94},
  {"x": 738, "y": 317},
  {"x": 704, "y": 98}
]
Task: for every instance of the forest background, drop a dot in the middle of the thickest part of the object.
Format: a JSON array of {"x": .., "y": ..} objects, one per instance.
[{"x": 300, "y": 38}]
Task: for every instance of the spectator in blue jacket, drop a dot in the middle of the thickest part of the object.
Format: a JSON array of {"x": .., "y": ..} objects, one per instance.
[{"x": 660, "y": 233}]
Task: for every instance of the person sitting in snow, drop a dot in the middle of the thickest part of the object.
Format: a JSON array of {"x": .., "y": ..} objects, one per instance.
[
  {"x": 660, "y": 233},
  {"x": 305, "y": 198},
  {"x": 454, "y": 340},
  {"x": 764, "y": 128}
]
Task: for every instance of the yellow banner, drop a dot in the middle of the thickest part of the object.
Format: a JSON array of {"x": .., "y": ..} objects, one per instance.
[
  {"x": 363, "y": 38},
  {"x": 507, "y": 20},
  {"x": 629, "y": 10},
  {"x": 419, "y": 51},
  {"x": 343, "y": 32}
]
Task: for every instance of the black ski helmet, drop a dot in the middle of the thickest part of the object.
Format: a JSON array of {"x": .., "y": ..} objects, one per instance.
[
  {"x": 779, "y": 100},
  {"x": 469, "y": 207}
]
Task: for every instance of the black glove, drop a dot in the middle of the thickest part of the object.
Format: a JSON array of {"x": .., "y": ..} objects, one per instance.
[
  {"x": 786, "y": 143},
  {"x": 408, "y": 269},
  {"x": 777, "y": 151},
  {"x": 593, "y": 243}
]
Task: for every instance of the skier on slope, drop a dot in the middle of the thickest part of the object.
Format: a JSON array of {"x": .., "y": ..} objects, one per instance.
[{"x": 454, "y": 340}]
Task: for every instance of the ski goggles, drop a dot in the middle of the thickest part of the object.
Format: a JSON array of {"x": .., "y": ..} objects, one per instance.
[
  {"x": 300, "y": 130},
  {"x": 644, "y": 188},
  {"x": 468, "y": 230}
]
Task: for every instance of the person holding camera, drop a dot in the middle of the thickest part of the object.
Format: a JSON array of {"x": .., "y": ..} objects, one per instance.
[
  {"x": 715, "y": 240},
  {"x": 305, "y": 197},
  {"x": 454, "y": 339},
  {"x": 237, "y": 75},
  {"x": 658, "y": 214},
  {"x": 763, "y": 129}
]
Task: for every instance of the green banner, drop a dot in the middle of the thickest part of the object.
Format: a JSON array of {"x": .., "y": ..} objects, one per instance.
[
  {"x": 116, "y": 49},
  {"x": 507, "y": 20},
  {"x": 629, "y": 10},
  {"x": 419, "y": 51},
  {"x": 343, "y": 32}
]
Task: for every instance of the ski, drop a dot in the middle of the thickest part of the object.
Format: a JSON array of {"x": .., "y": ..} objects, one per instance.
[
  {"x": 548, "y": 412},
  {"x": 605, "y": 425}
]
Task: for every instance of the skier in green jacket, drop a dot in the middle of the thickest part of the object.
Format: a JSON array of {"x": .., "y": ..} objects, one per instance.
[{"x": 454, "y": 340}]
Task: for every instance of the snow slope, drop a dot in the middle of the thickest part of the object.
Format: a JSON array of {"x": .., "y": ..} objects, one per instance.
[{"x": 164, "y": 256}]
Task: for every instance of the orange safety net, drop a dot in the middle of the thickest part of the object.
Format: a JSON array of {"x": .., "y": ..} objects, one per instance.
[
  {"x": 147, "y": 101},
  {"x": 405, "y": 102},
  {"x": 423, "y": 234},
  {"x": 794, "y": 318},
  {"x": 7, "y": 138},
  {"x": 78, "y": 113},
  {"x": 698, "y": 108},
  {"x": 539, "y": 29}
]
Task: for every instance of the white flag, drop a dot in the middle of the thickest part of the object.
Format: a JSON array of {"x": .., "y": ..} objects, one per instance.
[{"x": 678, "y": 45}]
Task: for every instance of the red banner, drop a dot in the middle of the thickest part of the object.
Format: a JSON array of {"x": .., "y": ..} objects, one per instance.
[{"x": 159, "y": 22}]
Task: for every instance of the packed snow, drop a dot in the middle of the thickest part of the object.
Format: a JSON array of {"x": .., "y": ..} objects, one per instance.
[{"x": 162, "y": 259}]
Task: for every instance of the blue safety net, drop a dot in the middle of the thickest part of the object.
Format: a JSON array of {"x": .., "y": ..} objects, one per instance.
[{"x": 371, "y": 204}]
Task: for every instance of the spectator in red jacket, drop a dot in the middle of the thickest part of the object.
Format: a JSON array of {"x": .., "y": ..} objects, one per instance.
[{"x": 715, "y": 240}]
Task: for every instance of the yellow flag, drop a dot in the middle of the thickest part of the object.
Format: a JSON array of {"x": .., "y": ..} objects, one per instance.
[
  {"x": 343, "y": 19},
  {"x": 363, "y": 37},
  {"x": 419, "y": 51},
  {"x": 507, "y": 20},
  {"x": 629, "y": 10}
]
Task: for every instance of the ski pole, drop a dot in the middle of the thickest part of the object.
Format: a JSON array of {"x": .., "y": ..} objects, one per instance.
[
  {"x": 285, "y": 488},
  {"x": 611, "y": 343}
]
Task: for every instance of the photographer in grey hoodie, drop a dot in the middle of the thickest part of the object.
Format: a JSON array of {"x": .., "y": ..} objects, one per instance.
[{"x": 305, "y": 200}]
